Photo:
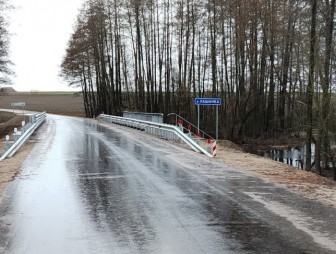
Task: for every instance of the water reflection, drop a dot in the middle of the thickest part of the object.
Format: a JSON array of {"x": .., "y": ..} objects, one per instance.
[
  {"x": 110, "y": 196},
  {"x": 294, "y": 156},
  {"x": 143, "y": 199},
  {"x": 136, "y": 200}
]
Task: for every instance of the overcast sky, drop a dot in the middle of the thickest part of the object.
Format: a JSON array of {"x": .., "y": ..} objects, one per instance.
[{"x": 40, "y": 32}]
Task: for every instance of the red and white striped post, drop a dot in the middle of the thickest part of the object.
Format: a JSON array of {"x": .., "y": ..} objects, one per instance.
[
  {"x": 214, "y": 148},
  {"x": 189, "y": 129},
  {"x": 180, "y": 123}
]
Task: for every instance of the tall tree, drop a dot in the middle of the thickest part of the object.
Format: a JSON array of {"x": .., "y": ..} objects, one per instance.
[
  {"x": 310, "y": 87},
  {"x": 322, "y": 143}
]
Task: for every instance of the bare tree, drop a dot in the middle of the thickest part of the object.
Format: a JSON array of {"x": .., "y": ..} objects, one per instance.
[
  {"x": 5, "y": 63},
  {"x": 310, "y": 87},
  {"x": 157, "y": 56}
]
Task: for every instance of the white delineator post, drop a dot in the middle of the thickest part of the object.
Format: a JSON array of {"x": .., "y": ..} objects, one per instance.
[
  {"x": 214, "y": 149},
  {"x": 7, "y": 142}
]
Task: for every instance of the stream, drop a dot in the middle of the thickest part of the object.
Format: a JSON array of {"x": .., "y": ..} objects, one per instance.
[{"x": 294, "y": 156}]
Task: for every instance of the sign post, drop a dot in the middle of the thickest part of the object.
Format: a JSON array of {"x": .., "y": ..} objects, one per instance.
[
  {"x": 208, "y": 102},
  {"x": 198, "y": 116},
  {"x": 18, "y": 105}
]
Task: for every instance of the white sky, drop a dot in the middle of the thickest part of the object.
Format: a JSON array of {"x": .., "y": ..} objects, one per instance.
[{"x": 40, "y": 31}]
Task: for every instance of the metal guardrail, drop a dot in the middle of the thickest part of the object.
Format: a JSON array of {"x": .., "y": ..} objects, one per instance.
[
  {"x": 204, "y": 134},
  {"x": 166, "y": 131},
  {"x": 149, "y": 117},
  {"x": 34, "y": 122}
]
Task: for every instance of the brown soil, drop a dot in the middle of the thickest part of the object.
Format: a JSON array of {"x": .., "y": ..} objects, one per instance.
[
  {"x": 6, "y": 116},
  {"x": 55, "y": 103}
]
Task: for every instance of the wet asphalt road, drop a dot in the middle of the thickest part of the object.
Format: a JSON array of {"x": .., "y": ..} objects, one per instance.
[{"x": 88, "y": 189}]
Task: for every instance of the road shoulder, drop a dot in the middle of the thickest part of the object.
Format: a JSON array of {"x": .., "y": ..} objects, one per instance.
[
  {"x": 10, "y": 167},
  {"x": 306, "y": 184}
]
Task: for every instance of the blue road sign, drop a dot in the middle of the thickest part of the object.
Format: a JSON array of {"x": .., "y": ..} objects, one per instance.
[{"x": 208, "y": 101}]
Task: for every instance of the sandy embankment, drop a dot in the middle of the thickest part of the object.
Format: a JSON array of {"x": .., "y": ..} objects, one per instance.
[
  {"x": 10, "y": 167},
  {"x": 307, "y": 184}
]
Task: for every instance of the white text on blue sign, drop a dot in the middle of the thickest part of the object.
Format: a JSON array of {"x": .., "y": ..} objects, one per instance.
[{"x": 208, "y": 101}]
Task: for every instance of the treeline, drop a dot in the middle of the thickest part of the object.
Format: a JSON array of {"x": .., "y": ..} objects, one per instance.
[{"x": 271, "y": 61}]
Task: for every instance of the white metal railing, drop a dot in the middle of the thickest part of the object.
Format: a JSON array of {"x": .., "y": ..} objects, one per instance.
[
  {"x": 34, "y": 122},
  {"x": 166, "y": 131},
  {"x": 204, "y": 134},
  {"x": 150, "y": 117}
]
